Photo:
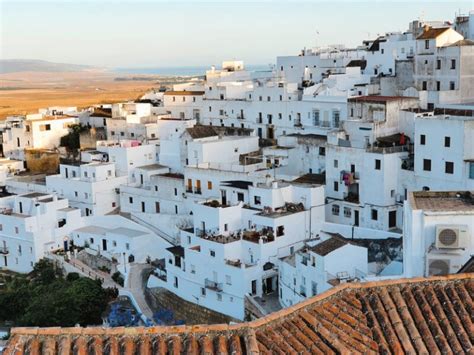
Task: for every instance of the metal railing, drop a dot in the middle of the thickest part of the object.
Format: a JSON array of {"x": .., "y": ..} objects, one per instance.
[{"x": 4, "y": 250}]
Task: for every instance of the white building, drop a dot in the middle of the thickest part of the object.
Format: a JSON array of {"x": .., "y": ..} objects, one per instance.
[
  {"x": 319, "y": 266},
  {"x": 31, "y": 225},
  {"x": 36, "y": 131},
  {"x": 438, "y": 232},
  {"x": 91, "y": 187},
  {"x": 118, "y": 239},
  {"x": 231, "y": 253}
]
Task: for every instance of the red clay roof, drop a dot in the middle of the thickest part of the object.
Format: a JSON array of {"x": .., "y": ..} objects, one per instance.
[
  {"x": 184, "y": 92},
  {"x": 396, "y": 316},
  {"x": 432, "y": 33},
  {"x": 378, "y": 98}
]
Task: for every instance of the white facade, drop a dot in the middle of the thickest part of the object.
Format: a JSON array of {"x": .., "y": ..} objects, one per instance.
[
  {"x": 319, "y": 266},
  {"x": 31, "y": 225},
  {"x": 438, "y": 232}
]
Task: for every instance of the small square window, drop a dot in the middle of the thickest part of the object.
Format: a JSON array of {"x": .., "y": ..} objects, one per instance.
[
  {"x": 212, "y": 253},
  {"x": 257, "y": 200},
  {"x": 374, "y": 214},
  {"x": 426, "y": 164},
  {"x": 449, "y": 167},
  {"x": 447, "y": 141},
  {"x": 378, "y": 164}
]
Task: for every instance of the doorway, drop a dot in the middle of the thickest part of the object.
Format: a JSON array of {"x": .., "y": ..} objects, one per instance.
[
  {"x": 356, "y": 218},
  {"x": 392, "y": 219},
  {"x": 104, "y": 244}
]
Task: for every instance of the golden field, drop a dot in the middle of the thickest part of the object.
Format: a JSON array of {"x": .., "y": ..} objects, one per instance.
[{"x": 26, "y": 92}]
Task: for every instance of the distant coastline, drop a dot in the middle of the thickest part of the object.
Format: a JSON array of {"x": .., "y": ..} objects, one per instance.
[{"x": 179, "y": 71}]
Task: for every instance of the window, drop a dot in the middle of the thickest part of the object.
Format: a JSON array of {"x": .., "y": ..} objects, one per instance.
[
  {"x": 427, "y": 44},
  {"x": 257, "y": 200},
  {"x": 193, "y": 269},
  {"x": 130, "y": 200},
  {"x": 228, "y": 280},
  {"x": 221, "y": 112},
  {"x": 222, "y": 96},
  {"x": 280, "y": 231},
  {"x": 438, "y": 64},
  {"x": 203, "y": 292},
  {"x": 449, "y": 167},
  {"x": 209, "y": 185},
  {"x": 471, "y": 170},
  {"x": 175, "y": 284},
  {"x": 347, "y": 212},
  {"x": 322, "y": 151},
  {"x": 336, "y": 186},
  {"x": 114, "y": 204},
  {"x": 438, "y": 85},
  {"x": 335, "y": 118},
  {"x": 452, "y": 85},
  {"x": 374, "y": 214},
  {"x": 447, "y": 141},
  {"x": 426, "y": 164},
  {"x": 268, "y": 98},
  {"x": 453, "y": 63},
  {"x": 174, "y": 98},
  {"x": 219, "y": 297},
  {"x": 212, "y": 253},
  {"x": 335, "y": 210},
  {"x": 259, "y": 98},
  {"x": 281, "y": 97},
  {"x": 210, "y": 109},
  {"x": 424, "y": 85},
  {"x": 316, "y": 117},
  {"x": 176, "y": 209},
  {"x": 91, "y": 240},
  {"x": 378, "y": 164},
  {"x": 226, "y": 227},
  {"x": 422, "y": 139},
  {"x": 335, "y": 163}
]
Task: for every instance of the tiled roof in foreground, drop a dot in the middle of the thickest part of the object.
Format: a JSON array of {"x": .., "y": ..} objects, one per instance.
[{"x": 397, "y": 316}]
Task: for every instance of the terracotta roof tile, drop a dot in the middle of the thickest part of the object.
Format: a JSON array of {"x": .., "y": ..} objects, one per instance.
[{"x": 395, "y": 316}]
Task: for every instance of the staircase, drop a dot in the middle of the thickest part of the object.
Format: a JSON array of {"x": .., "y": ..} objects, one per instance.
[{"x": 170, "y": 239}]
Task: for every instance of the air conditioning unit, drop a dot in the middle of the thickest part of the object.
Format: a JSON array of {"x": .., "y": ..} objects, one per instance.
[
  {"x": 451, "y": 237},
  {"x": 438, "y": 266}
]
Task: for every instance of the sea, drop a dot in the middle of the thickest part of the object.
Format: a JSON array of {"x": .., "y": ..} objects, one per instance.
[{"x": 181, "y": 71}]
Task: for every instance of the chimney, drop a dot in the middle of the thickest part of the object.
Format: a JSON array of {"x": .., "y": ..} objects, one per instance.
[{"x": 426, "y": 28}]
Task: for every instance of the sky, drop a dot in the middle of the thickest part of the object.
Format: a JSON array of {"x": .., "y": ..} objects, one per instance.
[{"x": 174, "y": 33}]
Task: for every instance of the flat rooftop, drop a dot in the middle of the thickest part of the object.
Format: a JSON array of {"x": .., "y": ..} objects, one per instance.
[{"x": 437, "y": 201}]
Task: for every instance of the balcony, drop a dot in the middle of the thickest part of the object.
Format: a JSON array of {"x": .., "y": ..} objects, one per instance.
[
  {"x": 213, "y": 285},
  {"x": 197, "y": 191},
  {"x": 4, "y": 251},
  {"x": 351, "y": 197},
  {"x": 189, "y": 190}
]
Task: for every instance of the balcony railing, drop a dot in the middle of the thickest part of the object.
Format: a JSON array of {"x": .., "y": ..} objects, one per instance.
[
  {"x": 197, "y": 190},
  {"x": 213, "y": 285},
  {"x": 4, "y": 251},
  {"x": 189, "y": 189}
]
